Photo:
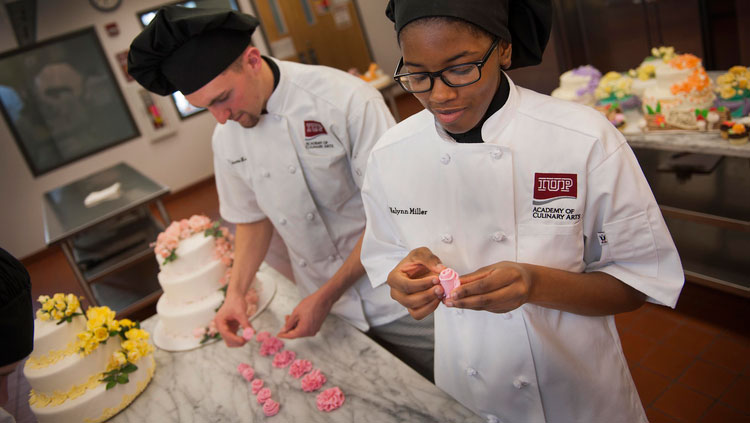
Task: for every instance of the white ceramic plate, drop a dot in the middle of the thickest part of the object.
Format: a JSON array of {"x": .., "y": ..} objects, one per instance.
[{"x": 185, "y": 343}]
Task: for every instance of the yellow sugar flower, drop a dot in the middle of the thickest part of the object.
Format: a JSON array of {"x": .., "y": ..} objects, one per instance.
[
  {"x": 117, "y": 360},
  {"x": 136, "y": 334},
  {"x": 42, "y": 315},
  {"x": 57, "y": 314},
  {"x": 43, "y": 299},
  {"x": 737, "y": 70},
  {"x": 48, "y": 305},
  {"x": 127, "y": 323},
  {"x": 60, "y": 305},
  {"x": 134, "y": 356},
  {"x": 58, "y": 297},
  {"x": 727, "y": 92},
  {"x": 101, "y": 334}
]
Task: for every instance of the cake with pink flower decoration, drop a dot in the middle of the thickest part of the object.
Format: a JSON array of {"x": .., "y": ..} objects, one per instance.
[{"x": 195, "y": 258}]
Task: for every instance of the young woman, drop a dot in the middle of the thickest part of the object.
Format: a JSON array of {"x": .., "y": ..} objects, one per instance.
[{"x": 538, "y": 203}]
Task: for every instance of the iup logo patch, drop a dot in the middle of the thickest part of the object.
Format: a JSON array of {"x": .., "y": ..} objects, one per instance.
[
  {"x": 313, "y": 129},
  {"x": 554, "y": 186}
]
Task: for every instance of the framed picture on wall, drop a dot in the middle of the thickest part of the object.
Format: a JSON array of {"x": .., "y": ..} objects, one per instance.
[
  {"x": 184, "y": 108},
  {"x": 62, "y": 102}
]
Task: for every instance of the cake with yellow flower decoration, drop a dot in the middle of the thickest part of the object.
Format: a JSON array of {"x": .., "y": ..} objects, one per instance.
[
  {"x": 644, "y": 76},
  {"x": 682, "y": 85},
  {"x": 85, "y": 368},
  {"x": 733, "y": 90},
  {"x": 615, "y": 89}
]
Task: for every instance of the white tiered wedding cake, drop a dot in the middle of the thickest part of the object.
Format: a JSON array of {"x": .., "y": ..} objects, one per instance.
[{"x": 85, "y": 368}]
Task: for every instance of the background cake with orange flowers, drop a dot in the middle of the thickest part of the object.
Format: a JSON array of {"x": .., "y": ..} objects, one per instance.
[{"x": 681, "y": 85}]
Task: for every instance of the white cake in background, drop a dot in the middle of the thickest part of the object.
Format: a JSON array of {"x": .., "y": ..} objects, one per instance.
[
  {"x": 68, "y": 364},
  {"x": 195, "y": 258},
  {"x": 578, "y": 85},
  {"x": 680, "y": 85}
]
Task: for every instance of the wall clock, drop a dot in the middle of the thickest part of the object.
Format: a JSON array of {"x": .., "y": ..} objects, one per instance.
[{"x": 105, "y": 5}]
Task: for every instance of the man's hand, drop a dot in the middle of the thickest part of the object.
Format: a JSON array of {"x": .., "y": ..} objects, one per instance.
[
  {"x": 498, "y": 288},
  {"x": 230, "y": 318},
  {"x": 307, "y": 318},
  {"x": 414, "y": 282}
]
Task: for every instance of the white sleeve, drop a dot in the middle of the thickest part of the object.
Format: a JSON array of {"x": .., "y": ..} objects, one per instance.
[
  {"x": 625, "y": 232},
  {"x": 237, "y": 202},
  {"x": 364, "y": 127},
  {"x": 382, "y": 247}
]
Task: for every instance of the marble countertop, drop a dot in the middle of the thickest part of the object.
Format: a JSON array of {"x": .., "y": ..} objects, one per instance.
[
  {"x": 203, "y": 385},
  {"x": 688, "y": 141}
]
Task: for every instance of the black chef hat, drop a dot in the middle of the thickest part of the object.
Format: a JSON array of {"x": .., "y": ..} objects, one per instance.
[
  {"x": 183, "y": 49},
  {"x": 524, "y": 23},
  {"x": 16, "y": 312}
]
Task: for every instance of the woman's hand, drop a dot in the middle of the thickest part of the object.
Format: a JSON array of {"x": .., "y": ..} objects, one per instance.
[
  {"x": 498, "y": 288},
  {"x": 414, "y": 282}
]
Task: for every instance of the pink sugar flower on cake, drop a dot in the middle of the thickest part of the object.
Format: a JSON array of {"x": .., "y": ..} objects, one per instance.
[
  {"x": 283, "y": 358},
  {"x": 262, "y": 336},
  {"x": 199, "y": 332},
  {"x": 256, "y": 385},
  {"x": 248, "y": 333},
  {"x": 271, "y": 346},
  {"x": 330, "y": 399},
  {"x": 263, "y": 395},
  {"x": 299, "y": 367},
  {"x": 270, "y": 408},
  {"x": 313, "y": 381},
  {"x": 242, "y": 366},
  {"x": 449, "y": 280}
]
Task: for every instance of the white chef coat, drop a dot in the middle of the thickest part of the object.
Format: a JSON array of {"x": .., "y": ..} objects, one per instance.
[
  {"x": 302, "y": 167},
  {"x": 474, "y": 205}
]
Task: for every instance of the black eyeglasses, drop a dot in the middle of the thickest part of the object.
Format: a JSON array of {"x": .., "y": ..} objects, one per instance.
[{"x": 453, "y": 76}]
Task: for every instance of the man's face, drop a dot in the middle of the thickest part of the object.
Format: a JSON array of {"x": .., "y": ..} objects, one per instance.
[
  {"x": 235, "y": 94},
  {"x": 433, "y": 46}
]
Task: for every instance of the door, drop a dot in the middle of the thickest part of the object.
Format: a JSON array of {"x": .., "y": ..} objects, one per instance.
[{"x": 325, "y": 32}]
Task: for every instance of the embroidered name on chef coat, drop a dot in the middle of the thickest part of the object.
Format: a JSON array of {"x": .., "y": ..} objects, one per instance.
[
  {"x": 549, "y": 187},
  {"x": 411, "y": 210},
  {"x": 313, "y": 131}
]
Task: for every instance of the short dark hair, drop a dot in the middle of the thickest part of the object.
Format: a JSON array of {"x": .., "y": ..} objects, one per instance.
[{"x": 16, "y": 310}]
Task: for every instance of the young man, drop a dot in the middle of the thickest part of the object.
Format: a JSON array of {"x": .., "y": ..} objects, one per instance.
[
  {"x": 538, "y": 203},
  {"x": 290, "y": 152}
]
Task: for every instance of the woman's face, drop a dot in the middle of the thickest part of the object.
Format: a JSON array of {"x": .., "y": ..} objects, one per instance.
[{"x": 430, "y": 46}]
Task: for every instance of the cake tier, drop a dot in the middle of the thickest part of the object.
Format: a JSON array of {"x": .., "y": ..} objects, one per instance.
[
  {"x": 53, "y": 341},
  {"x": 193, "y": 286},
  {"x": 666, "y": 76},
  {"x": 98, "y": 404},
  {"x": 180, "y": 319},
  {"x": 71, "y": 371},
  {"x": 192, "y": 253}
]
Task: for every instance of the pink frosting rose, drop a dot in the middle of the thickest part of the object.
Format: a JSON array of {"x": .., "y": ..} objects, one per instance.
[
  {"x": 271, "y": 346},
  {"x": 449, "y": 280},
  {"x": 270, "y": 408},
  {"x": 313, "y": 381},
  {"x": 262, "y": 336},
  {"x": 248, "y": 373},
  {"x": 248, "y": 333},
  {"x": 299, "y": 367},
  {"x": 330, "y": 399},
  {"x": 242, "y": 366},
  {"x": 256, "y": 385},
  {"x": 283, "y": 358},
  {"x": 264, "y": 395}
]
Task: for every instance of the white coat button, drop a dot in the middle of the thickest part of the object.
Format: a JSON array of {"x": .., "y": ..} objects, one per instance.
[
  {"x": 265, "y": 173},
  {"x": 446, "y": 238},
  {"x": 471, "y": 371},
  {"x": 520, "y": 382},
  {"x": 282, "y": 221},
  {"x": 507, "y": 316},
  {"x": 292, "y": 168},
  {"x": 496, "y": 154},
  {"x": 302, "y": 263},
  {"x": 445, "y": 159},
  {"x": 498, "y": 236},
  {"x": 310, "y": 216},
  {"x": 358, "y": 172},
  {"x": 492, "y": 419}
]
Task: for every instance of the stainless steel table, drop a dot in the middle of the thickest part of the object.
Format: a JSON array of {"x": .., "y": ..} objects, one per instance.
[{"x": 66, "y": 219}]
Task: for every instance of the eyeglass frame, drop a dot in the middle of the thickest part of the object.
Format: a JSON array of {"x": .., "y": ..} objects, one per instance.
[{"x": 432, "y": 75}]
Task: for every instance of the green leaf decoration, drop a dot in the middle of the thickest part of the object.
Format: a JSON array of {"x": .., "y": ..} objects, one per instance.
[
  {"x": 111, "y": 385},
  {"x": 658, "y": 107},
  {"x": 214, "y": 231},
  {"x": 171, "y": 257},
  {"x": 129, "y": 368},
  {"x": 650, "y": 110},
  {"x": 123, "y": 379}
]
